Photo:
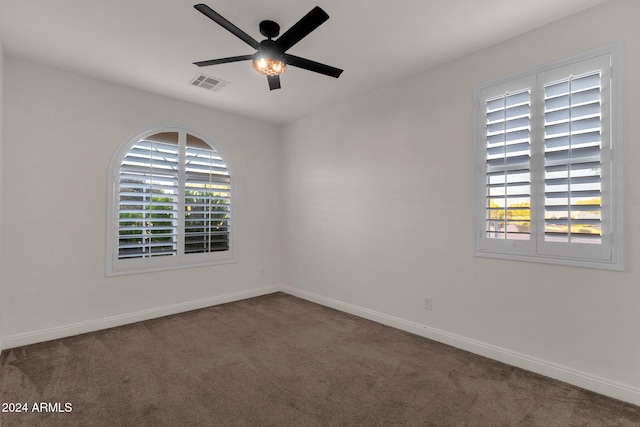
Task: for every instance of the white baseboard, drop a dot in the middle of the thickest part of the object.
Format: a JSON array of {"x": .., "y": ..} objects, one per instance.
[
  {"x": 112, "y": 321},
  {"x": 584, "y": 380},
  {"x": 581, "y": 379}
]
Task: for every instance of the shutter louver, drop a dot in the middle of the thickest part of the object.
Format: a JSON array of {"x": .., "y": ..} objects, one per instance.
[
  {"x": 148, "y": 203},
  {"x": 508, "y": 166},
  {"x": 572, "y": 159}
]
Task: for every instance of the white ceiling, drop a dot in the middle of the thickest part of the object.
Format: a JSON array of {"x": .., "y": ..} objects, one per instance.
[{"x": 151, "y": 44}]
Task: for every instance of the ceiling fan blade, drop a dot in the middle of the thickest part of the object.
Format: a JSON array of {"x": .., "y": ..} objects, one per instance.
[
  {"x": 301, "y": 29},
  {"x": 223, "y": 60},
  {"x": 274, "y": 82},
  {"x": 216, "y": 17},
  {"x": 307, "y": 64}
]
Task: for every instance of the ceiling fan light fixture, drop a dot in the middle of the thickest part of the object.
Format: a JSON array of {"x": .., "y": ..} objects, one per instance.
[
  {"x": 269, "y": 66},
  {"x": 271, "y": 58}
]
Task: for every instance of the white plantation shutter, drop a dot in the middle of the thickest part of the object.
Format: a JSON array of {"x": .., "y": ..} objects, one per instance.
[
  {"x": 549, "y": 180},
  {"x": 508, "y": 168},
  {"x": 207, "y": 200},
  {"x": 148, "y": 196},
  {"x": 573, "y": 160},
  {"x": 172, "y": 204}
]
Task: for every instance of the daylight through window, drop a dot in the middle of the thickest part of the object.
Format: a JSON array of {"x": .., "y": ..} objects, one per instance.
[
  {"x": 549, "y": 183},
  {"x": 172, "y": 204}
]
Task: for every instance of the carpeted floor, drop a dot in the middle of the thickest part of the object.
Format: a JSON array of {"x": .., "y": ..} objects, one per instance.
[{"x": 278, "y": 360}]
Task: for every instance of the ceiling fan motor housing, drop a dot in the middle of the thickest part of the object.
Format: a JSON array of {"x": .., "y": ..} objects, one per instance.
[
  {"x": 268, "y": 49},
  {"x": 269, "y": 29}
]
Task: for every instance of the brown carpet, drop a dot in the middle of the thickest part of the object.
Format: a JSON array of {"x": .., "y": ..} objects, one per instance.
[{"x": 281, "y": 361}]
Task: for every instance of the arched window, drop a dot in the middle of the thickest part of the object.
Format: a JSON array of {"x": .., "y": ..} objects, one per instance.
[{"x": 170, "y": 203}]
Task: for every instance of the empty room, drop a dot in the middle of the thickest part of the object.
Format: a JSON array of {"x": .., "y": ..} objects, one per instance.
[{"x": 319, "y": 213}]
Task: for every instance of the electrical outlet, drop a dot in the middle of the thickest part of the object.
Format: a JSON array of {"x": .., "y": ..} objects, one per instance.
[{"x": 428, "y": 303}]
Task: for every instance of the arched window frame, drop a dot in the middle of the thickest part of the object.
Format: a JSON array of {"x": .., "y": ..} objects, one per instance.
[{"x": 117, "y": 266}]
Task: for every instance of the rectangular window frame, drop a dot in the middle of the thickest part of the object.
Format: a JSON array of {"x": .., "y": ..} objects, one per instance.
[{"x": 609, "y": 253}]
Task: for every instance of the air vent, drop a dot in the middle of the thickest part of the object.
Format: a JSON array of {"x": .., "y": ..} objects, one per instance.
[{"x": 208, "y": 82}]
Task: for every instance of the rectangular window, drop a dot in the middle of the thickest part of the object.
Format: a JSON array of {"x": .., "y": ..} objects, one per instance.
[{"x": 549, "y": 182}]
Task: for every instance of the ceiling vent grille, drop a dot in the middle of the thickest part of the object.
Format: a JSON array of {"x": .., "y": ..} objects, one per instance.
[{"x": 208, "y": 82}]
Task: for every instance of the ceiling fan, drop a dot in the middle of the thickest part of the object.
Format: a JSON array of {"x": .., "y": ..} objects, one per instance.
[{"x": 271, "y": 58}]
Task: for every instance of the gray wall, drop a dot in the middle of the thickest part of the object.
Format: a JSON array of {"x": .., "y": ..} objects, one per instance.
[
  {"x": 61, "y": 130},
  {"x": 378, "y": 208}
]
